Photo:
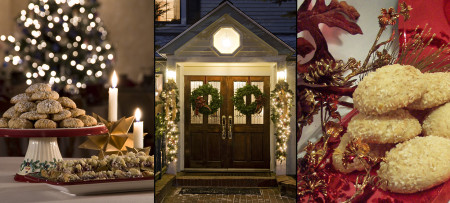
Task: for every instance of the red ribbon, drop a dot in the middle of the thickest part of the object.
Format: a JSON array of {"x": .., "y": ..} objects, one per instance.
[
  {"x": 200, "y": 102},
  {"x": 259, "y": 103}
]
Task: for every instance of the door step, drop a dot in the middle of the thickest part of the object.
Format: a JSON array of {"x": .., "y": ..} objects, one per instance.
[{"x": 208, "y": 179}]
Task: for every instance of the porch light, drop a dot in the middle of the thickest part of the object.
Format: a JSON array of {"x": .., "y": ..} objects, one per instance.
[
  {"x": 226, "y": 40},
  {"x": 281, "y": 75},
  {"x": 170, "y": 75}
]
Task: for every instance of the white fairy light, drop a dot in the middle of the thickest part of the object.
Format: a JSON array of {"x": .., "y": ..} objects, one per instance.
[
  {"x": 78, "y": 38},
  {"x": 82, "y": 9},
  {"x": 89, "y": 72},
  {"x": 56, "y": 19},
  {"x": 75, "y": 53},
  {"x": 35, "y": 75},
  {"x": 110, "y": 56},
  {"x": 17, "y": 48},
  {"x": 51, "y": 55},
  {"x": 80, "y": 67},
  {"x": 3, "y": 37},
  {"x": 11, "y": 39},
  {"x": 60, "y": 11},
  {"x": 64, "y": 56},
  {"x": 90, "y": 15},
  {"x": 90, "y": 47},
  {"x": 83, "y": 46},
  {"x": 28, "y": 75},
  {"x": 29, "y": 82},
  {"x": 98, "y": 49},
  {"x": 65, "y": 18},
  {"x": 69, "y": 81},
  {"x": 78, "y": 84},
  {"x": 98, "y": 74},
  {"x": 108, "y": 46},
  {"x": 50, "y": 25},
  {"x": 30, "y": 6},
  {"x": 103, "y": 66},
  {"x": 73, "y": 63}
]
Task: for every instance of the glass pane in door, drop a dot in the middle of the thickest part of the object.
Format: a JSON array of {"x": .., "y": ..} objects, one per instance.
[
  {"x": 239, "y": 118},
  {"x": 196, "y": 119}
]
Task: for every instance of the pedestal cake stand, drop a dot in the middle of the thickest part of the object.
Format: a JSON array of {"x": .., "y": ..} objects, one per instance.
[{"x": 43, "y": 150}]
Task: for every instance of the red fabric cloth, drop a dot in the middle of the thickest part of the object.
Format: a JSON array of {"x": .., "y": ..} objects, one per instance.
[{"x": 435, "y": 14}]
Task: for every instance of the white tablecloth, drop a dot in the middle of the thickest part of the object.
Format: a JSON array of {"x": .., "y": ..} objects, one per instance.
[{"x": 12, "y": 191}]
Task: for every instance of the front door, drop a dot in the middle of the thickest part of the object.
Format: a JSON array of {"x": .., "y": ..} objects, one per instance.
[{"x": 227, "y": 139}]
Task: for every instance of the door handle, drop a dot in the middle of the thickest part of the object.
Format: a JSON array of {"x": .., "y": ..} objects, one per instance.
[
  {"x": 230, "y": 127},
  {"x": 224, "y": 124}
]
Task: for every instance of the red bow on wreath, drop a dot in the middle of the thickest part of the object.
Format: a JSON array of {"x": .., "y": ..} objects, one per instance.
[
  {"x": 259, "y": 103},
  {"x": 200, "y": 102}
]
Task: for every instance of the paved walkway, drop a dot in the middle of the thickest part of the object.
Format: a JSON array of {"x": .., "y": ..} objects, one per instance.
[{"x": 268, "y": 195}]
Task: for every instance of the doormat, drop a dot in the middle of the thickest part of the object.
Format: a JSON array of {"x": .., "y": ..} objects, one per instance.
[
  {"x": 261, "y": 174},
  {"x": 225, "y": 191}
]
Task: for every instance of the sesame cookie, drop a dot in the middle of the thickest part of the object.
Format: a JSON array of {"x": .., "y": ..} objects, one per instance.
[
  {"x": 416, "y": 165},
  {"x": 393, "y": 127},
  {"x": 44, "y": 95},
  {"x": 19, "y": 123},
  {"x": 88, "y": 120},
  {"x": 77, "y": 112},
  {"x": 61, "y": 115},
  {"x": 71, "y": 123},
  {"x": 11, "y": 113},
  {"x": 33, "y": 116},
  {"x": 49, "y": 107},
  {"x": 24, "y": 106},
  {"x": 438, "y": 122},
  {"x": 388, "y": 88},
  {"x": 4, "y": 122},
  {"x": 20, "y": 97},
  {"x": 66, "y": 102},
  {"x": 437, "y": 91},
  {"x": 38, "y": 87},
  {"x": 44, "y": 124}
]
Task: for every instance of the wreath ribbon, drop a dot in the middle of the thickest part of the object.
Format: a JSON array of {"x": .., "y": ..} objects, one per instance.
[{"x": 200, "y": 102}]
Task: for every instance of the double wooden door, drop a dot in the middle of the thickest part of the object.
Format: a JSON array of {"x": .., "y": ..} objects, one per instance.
[{"x": 226, "y": 139}]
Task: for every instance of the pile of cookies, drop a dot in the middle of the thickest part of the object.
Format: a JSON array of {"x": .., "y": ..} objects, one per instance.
[
  {"x": 405, "y": 118},
  {"x": 131, "y": 165},
  {"x": 41, "y": 108}
]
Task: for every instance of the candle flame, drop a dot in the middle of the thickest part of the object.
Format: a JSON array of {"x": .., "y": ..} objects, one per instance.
[
  {"x": 114, "y": 80},
  {"x": 137, "y": 114}
]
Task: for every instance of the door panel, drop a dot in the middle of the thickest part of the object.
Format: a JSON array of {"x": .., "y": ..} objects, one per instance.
[{"x": 245, "y": 146}]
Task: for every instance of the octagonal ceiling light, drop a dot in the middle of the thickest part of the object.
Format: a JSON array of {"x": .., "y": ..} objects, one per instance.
[{"x": 226, "y": 40}]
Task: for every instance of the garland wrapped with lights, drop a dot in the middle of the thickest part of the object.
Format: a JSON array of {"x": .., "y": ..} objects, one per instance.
[
  {"x": 171, "y": 115},
  {"x": 254, "y": 107},
  {"x": 199, "y": 103},
  {"x": 61, "y": 42},
  {"x": 281, "y": 104}
]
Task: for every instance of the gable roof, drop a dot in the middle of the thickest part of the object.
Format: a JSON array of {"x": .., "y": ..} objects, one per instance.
[{"x": 226, "y": 7}]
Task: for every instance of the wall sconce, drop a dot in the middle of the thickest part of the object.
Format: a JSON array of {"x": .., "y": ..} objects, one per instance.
[
  {"x": 282, "y": 75},
  {"x": 226, "y": 40},
  {"x": 171, "y": 75}
]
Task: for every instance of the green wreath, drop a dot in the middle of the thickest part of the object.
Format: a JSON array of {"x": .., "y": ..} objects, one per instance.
[
  {"x": 199, "y": 103},
  {"x": 252, "y": 108}
]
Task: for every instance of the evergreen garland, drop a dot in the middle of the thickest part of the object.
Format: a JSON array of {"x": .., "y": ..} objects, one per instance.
[{"x": 281, "y": 105}]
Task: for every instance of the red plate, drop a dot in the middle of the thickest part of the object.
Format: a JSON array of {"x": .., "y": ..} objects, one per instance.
[{"x": 56, "y": 132}]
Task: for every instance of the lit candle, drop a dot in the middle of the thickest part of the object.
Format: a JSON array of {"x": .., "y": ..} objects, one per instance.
[
  {"x": 113, "y": 93},
  {"x": 138, "y": 130}
]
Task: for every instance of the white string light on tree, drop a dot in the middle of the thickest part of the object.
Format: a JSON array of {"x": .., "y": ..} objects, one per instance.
[
  {"x": 281, "y": 103},
  {"x": 169, "y": 99},
  {"x": 62, "y": 41}
]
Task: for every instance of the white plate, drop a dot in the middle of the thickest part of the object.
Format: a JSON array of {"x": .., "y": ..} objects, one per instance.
[{"x": 105, "y": 187}]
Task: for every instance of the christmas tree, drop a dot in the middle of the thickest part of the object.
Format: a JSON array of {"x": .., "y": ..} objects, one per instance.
[{"x": 61, "y": 41}]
